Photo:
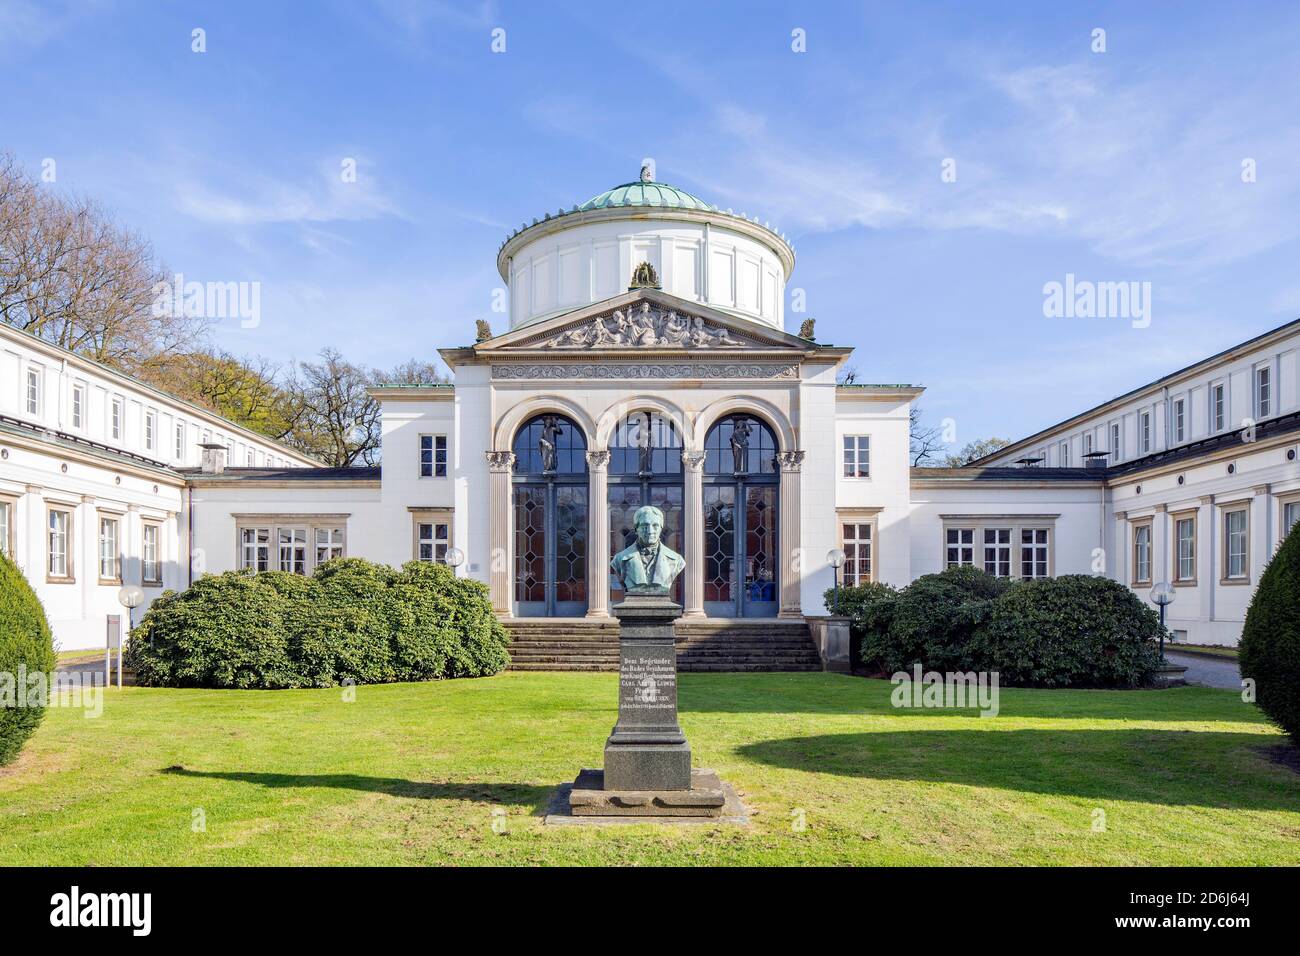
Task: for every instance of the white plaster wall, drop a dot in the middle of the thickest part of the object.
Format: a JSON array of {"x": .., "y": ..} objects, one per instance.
[
  {"x": 32, "y": 479},
  {"x": 698, "y": 261}
]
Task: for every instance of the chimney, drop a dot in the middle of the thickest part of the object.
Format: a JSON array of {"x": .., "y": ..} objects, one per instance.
[
  {"x": 1096, "y": 459},
  {"x": 214, "y": 459}
]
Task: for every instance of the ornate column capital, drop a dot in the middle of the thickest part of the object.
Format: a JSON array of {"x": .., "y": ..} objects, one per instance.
[
  {"x": 501, "y": 461},
  {"x": 597, "y": 460},
  {"x": 791, "y": 461},
  {"x": 693, "y": 460}
]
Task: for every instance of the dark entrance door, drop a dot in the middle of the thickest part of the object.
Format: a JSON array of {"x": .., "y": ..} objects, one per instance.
[
  {"x": 550, "y": 512},
  {"x": 740, "y": 519}
]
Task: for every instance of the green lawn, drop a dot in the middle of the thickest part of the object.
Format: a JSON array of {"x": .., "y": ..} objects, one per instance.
[{"x": 411, "y": 774}]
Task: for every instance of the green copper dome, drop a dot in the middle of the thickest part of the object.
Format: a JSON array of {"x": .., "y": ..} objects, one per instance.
[{"x": 646, "y": 193}]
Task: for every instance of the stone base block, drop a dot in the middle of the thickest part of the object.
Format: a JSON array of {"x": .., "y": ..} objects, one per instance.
[
  {"x": 650, "y": 767},
  {"x": 704, "y": 798}
]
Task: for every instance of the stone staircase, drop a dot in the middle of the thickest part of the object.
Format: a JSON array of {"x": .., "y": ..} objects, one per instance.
[{"x": 709, "y": 644}]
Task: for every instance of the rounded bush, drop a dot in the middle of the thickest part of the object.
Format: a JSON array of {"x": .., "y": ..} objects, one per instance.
[
  {"x": 1073, "y": 631},
  {"x": 932, "y": 621},
  {"x": 353, "y": 620},
  {"x": 1269, "y": 652},
  {"x": 26, "y": 646},
  {"x": 225, "y": 630}
]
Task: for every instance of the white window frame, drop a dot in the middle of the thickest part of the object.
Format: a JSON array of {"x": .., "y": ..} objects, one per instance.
[
  {"x": 1179, "y": 407},
  {"x": 150, "y": 429},
  {"x": 150, "y": 553},
  {"x": 1037, "y": 541},
  {"x": 853, "y": 544},
  {"x": 254, "y": 542},
  {"x": 1087, "y": 442},
  {"x": 1262, "y": 387},
  {"x": 433, "y": 455},
  {"x": 292, "y": 552},
  {"x": 1144, "y": 433},
  {"x": 1116, "y": 441},
  {"x": 180, "y": 441},
  {"x": 34, "y": 391},
  {"x": 959, "y": 546},
  {"x": 1218, "y": 407},
  {"x": 1142, "y": 552},
  {"x": 108, "y": 549},
  {"x": 116, "y": 416},
  {"x": 997, "y": 541},
  {"x": 1063, "y": 454},
  {"x": 1288, "y": 513},
  {"x": 1229, "y": 553},
  {"x": 8, "y": 518},
  {"x": 78, "y": 410},
  {"x": 63, "y": 570},
  {"x": 855, "y": 457},
  {"x": 1184, "y": 559},
  {"x": 427, "y": 544},
  {"x": 328, "y": 543}
]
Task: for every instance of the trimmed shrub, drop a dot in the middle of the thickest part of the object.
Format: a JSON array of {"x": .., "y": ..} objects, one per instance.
[
  {"x": 225, "y": 630},
  {"x": 932, "y": 621},
  {"x": 26, "y": 643},
  {"x": 353, "y": 620},
  {"x": 1269, "y": 652},
  {"x": 1077, "y": 630}
]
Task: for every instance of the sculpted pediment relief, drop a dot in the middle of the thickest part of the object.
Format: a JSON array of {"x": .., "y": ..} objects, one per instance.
[{"x": 647, "y": 324}]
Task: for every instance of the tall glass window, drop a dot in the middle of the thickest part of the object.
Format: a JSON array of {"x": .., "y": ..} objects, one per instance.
[
  {"x": 1235, "y": 540},
  {"x": 645, "y": 468}
]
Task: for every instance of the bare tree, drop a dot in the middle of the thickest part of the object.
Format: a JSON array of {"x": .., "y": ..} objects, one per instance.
[
  {"x": 974, "y": 450},
  {"x": 71, "y": 275},
  {"x": 336, "y": 419},
  {"x": 411, "y": 372},
  {"x": 923, "y": 442}
]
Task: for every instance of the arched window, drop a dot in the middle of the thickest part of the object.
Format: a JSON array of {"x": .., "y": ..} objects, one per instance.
[
  {"x": 740, "y": 445},
  {"x": 645, "y": 468},
  {"x": 550, "y": 518},
  {"x": 741, "y": 490},
  {"x": 550, "y": 445}
]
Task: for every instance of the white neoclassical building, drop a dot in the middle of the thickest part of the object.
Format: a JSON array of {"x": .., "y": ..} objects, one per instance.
[{"x": 647, "y": 360}]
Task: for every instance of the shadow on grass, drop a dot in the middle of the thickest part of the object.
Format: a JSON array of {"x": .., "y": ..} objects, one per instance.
[
  {"x": 817, "y": 693},
  {"x": 1165, "y": 767},
  {"x": 518, "y": 794}
]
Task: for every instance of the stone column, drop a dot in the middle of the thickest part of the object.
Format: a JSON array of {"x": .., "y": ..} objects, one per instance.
[
  {"x": 1161, "y": 569},
  {"x": 693, "y": 533},
  {"x": 500, "y": 568},
  {"x": 1117, "y": 565},
  {"x": 597, "y": 534},
  {"x": 1206, "y": 577},
  {"x": 789, "y": 538}
]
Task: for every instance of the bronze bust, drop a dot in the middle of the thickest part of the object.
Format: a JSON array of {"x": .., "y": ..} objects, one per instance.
[{"x": 649, "y": 566}]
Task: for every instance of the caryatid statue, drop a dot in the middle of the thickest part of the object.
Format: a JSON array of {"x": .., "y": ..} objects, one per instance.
[
  {"x": 740, "y": 432},
  {"x": 551, "y": 430},
  {"x": 649, "y": 566}
]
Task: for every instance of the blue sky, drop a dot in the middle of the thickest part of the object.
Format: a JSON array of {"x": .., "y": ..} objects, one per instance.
[{"x": 1116, "y": 166}]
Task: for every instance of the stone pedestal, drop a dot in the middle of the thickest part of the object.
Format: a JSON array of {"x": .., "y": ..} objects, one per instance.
[{"x": 647, "y": 759}]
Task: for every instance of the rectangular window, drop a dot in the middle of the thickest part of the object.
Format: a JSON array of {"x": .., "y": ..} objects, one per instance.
[
  {"x": 433, "y": 456},
  {"x": 255, "y": 548},
  {"x": 115, "y": 420},
  {"x": 109, "y": 562},
  {"x": 1087, "y": 443},
  {"x": 248, "y": 459},
  {"x": 997, "y": 552},
  {"x": 58, "y": 540},
  {"x": 1144, "y": 432},
  {"x": 1290, "y": 515},
  {"x": 1236, "y": 544},
  {"x": 180, "y": 441},
  {"x": 150, "y": 429},
  {"x": 857, "y": 456},
  {"x": 1185, "y": 544},
  {"x": 1033, "y": 552},
  {"x": 433, "y": 538},
  {"x": 857, "y": 553},
  {"x": 1218, "y": 409},
  {"x": 33, "y": 391},
  {"x": 292, "y": 544},
  {"x": 329, "y": 544},
  {"x": 1064, "y": 454},
  {"x": 1142, "y": 554},
  {"x": 1263, "y": 391},
  {"x": 6, "y": 528},
  {"x": 78, "y": 405},
  {"x": 1180, "y": 421},
  {"x": 961, "y": 547},
  {"x": 1114, "y": 442},
  {"x": 150, "y": 565}
]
